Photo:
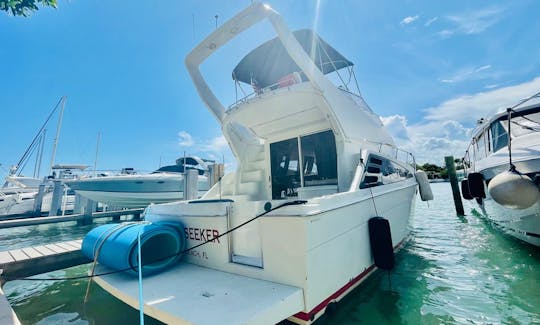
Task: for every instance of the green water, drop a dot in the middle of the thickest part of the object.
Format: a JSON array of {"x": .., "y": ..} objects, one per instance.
[{"x": 454, "y": 270}]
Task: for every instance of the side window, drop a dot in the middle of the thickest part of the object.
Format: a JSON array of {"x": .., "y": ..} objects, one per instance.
[
  {"x": 393, "y": 172},
  {"x": 381, "y": 171},
  {"x": 498, "y": 135},
  {"x": 481, "y": 146}
]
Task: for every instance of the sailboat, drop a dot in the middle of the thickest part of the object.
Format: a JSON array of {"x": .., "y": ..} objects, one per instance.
[{"x": 17, "y": 194}]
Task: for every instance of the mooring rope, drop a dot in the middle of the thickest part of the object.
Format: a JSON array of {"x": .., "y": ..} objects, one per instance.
[{"x": 93, "y": 275}]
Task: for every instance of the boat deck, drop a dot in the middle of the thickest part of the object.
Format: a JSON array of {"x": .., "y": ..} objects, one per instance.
[{"x": 188, "y": 293}]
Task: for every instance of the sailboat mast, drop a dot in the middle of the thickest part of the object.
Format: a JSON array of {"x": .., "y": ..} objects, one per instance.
[
  {"x": 53, "y": 156},
  {"x": 97, "y": 152}
]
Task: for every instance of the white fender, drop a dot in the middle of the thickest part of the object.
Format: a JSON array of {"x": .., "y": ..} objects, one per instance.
[
  {"x": 513, "y": 190},
  {"x": 423, "y": 184}
]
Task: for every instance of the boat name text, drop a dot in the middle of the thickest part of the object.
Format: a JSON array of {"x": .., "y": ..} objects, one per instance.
[{"x": 202, "y": 234}]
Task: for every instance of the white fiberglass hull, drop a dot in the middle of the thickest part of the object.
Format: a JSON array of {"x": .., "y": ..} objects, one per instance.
[
  {"x": 521, "y": 224},
  {"x": 132, "y": 199},
  {"x": 17, "y": 204},
  {"x": 321, "y": 247},
  {"x": 134, "y": 191}
]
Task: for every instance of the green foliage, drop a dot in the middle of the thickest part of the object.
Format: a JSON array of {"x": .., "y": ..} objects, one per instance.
[
  {"x": 433, "y": 171},
  {"x": 24, "y": 7}
]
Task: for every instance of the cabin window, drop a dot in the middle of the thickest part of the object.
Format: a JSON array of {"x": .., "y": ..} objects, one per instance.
[
  {"x": 498, "y": 136},
  {"x": 319, "y": 159},
  {"x": 522, "y": 125},
  {"x": 309, "y": 160},
  {"x": 481, "y": 146},
  {"x": 284, "y": 165},
  {"x": 382, "y": 171}
]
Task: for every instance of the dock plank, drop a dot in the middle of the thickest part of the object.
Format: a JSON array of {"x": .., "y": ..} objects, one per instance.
[
  {"x": 5, "y": 257},
  {"x": 30, "y": 251},
  {"x": 57, "y": 249},
  {"x": 18, "y": 255},
  {"x": 67, "y": 247},
  {"x": 44, "y": 250},
  {"x": 74, "y": 244}
]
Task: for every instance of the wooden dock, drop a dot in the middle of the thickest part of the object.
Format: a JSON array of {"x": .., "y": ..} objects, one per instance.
[
  {"x": 72, "y": 217},
  {"x": 30, "y": 261}
]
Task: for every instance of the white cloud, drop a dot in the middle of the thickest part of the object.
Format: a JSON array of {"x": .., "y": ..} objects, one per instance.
[
  {"x": 429, "y": 141},
  {"x": 185, "y": 139},
  {"x": 397, "y": 126},
  {"x": 466, "y": 73},
  {"x": 409, "y": 19},
  {"x": 446, "y": 129},
  {"x": 217, "y": 144},
  {"x": 472, "y": 22},
  {"x": 216, "y": 149},
  {"x": 469, "y": 108},
  {"x": 431, "y": 21}
]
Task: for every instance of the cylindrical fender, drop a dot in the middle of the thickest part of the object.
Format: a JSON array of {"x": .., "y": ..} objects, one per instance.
[
  {"x": 476, "y": 185},
  {"x": 423, "y": 184}
]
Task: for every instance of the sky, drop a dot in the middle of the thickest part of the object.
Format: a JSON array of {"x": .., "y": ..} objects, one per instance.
[{"x": 430, "y": 69}]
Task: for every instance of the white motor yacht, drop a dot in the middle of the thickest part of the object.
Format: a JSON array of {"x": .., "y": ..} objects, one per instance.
[
  {"x": 321, "y": 197},
  {"x": 504, "y": 174},
  {"x": 132, "y": 190}
]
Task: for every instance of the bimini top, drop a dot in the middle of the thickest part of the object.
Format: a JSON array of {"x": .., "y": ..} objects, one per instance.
[{"x": 266, "y": 64}]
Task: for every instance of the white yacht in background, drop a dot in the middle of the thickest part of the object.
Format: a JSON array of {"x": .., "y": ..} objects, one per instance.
[
  {"x": 288, "y": 233},
  {"x": 132, "y": 190},
  {"x": 507, "y": 191},
  {"x": 17, "y": 196}
]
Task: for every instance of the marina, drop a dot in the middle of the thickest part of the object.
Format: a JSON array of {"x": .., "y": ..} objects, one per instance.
[
  {"x": 452, "y": 270},
  {"x": 310, "y": 206}
]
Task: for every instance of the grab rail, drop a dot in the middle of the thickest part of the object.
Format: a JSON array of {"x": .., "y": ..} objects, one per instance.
[{"x": 395, "y": 152}]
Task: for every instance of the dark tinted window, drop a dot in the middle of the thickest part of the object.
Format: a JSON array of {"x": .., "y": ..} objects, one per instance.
[{"x": 319, "y": 159}]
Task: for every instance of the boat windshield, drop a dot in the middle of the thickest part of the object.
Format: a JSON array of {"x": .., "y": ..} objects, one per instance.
[{"x": 183, "y": 164}]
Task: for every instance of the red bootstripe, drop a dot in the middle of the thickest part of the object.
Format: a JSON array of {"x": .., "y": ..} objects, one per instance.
[{"x": 307, "y": 316}]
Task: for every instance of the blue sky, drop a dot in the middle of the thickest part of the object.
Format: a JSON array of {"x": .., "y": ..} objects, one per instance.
[{"x": 430, "y": 69}]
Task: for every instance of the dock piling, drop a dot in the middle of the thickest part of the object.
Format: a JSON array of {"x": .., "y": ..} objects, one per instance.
[
  {"x": 56, "y": 201},
  {"x": 191, "y": 190},
  {"x": 38, "y": 200},
  {"x": 451, "y": 168}
]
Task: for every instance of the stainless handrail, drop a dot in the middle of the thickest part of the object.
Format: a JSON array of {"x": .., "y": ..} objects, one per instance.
[{"x": 396, "y": 153}]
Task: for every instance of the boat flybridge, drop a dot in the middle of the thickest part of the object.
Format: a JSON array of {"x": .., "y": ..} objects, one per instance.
[{"x": 321, "y": 194}]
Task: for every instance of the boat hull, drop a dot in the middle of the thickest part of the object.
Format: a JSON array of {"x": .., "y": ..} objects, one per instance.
[
  {"x": 135, "y": 191},
  {"x": 521, "y": 224},
  {"x": 321, "y": 247}
]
